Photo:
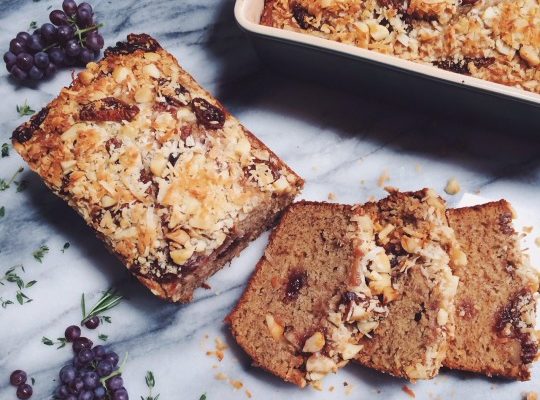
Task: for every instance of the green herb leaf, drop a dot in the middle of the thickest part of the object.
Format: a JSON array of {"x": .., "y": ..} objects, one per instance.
[
  {"x": 103, "y": 337},
  {"x": 20, "y": 298},
  {"x": 203, "y": 397},
  {"x": 25, "y": 109},
  {"x": 6, "y": 184},
  {"x": 105, "y": 303},
  {"x": 32, "y": 26},
  {"x": 2, "y": 211},
  {"x": 40, "y": 253},
  {"x": 5, "y": 303},
  {"x": 47, "y": 341},
  {"x": 30, "y": 284},
  {"x": 83, "y": 306},
  {"x": 149, "y": 378},
  {"x": 22, "y": 185},
  {"x": 106, "y": 319},
  {"x": 65, "y": 247},
  {"x": 33, "y": 381},
  {"x": 61, "y": 342},
  {"x": 5, "y": 150}
]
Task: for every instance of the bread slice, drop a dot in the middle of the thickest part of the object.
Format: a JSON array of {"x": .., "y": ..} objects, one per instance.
[
  {"x": 495, "y": 302},
  {"x": 303, "y": 310},
  {"x": 171, "y": 182},
  {"x": 412, "y": 341}
]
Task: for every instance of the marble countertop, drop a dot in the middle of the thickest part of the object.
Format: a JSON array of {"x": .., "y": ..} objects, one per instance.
[{"x": 339, "y": 142}]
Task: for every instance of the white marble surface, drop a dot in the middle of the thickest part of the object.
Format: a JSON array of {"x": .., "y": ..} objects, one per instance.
[{"x": 339, "y": 142}]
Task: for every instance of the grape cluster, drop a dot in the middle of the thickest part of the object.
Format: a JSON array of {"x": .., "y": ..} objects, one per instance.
[
  {"x": 93, "y": 374},
  {"x": 71, "y": 39},
  {"x": 18, "y": 378}
]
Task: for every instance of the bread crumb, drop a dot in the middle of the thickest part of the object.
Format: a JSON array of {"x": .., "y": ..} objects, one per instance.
[
  {"x": 249, "y": 394},
  {"x": 331, "y": 196},
  {"x": 409, "y": 391},
  {"x": 236, "y": 384},
  {"x": 219, "y": 352},
  {"x": 317, "y": 385},
  {"x": 527, "y": 229},
  {"x": 206, "y": 286},
  {"x": 331, "y": 388},
  {"x": 381, "y": 182},
  {"x": 452, "y": 187},
  {"x": 348, "y": 389},
  {"x": 537, "y": 241},
  {"x": 372, "y": 199},
  {"x": 220, "y": 376},
  {"x": 418, "y": 168},
  {"x": 532, "y": 396}
]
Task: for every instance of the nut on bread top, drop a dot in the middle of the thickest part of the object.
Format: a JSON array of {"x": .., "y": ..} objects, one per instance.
[{"x": 152, "y": 161}]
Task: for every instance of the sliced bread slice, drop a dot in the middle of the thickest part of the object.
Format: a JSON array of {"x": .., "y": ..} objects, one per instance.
[
  {"x": 301, "y": 313},
  {"x": 495, "y": 302},
  {"x": 412, "y": 341}
]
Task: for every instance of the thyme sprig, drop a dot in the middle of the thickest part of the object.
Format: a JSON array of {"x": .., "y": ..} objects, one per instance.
[
  {"x": 25, "y": 109},
  {"x": 61, "y": 342},
  {"x": 150, "y": 383},
  {"x": 12, "y": 276},
  {"x": 4, "y": 185},
  {"x": 108, "y": 300}
]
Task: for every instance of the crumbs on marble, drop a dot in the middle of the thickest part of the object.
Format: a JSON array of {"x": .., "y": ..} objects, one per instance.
[
  {"x": 331, "y": 388},
  {"x": 381, "y": 182},
  {"x": 409, "y": 391},
  {"x": 372, "y": 199},
  {"x": 235, "y": 383},
  {"x": 418, "y": 168},
  {"x": 531, "y": 396},
  {"x": 332, "y": 196},
  {"x": 537, "y": 241},
  {"x": 348, "y": 388},
  {"x": 219, "y": 352},
  {"x": 317, "y": 385},
  {"x": 527, "y": 229},
  {"x": 452, "y": 187}
]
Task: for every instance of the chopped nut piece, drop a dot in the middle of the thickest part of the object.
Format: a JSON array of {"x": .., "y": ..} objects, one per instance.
[
  {"x": 350, "y": 350},
  {"x": 459, "y": 258},
  {"x": 383, "y": 234},
  {"x": 321, "y": 364},
  {"x": 409, "y": 244},
  {"x": 530, "y": 55},
  {"x": 452, "y": 187},
  {"x": 181, "y": 256},
  {"x": 275, "y": 329},
  {"x": 314, "y": 343},
  {"x": 442, "y": 317},
  {"x": 331, "y": 196}
]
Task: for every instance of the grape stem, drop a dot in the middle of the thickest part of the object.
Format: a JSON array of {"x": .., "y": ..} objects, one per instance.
[{"x": 79, "y": 32}]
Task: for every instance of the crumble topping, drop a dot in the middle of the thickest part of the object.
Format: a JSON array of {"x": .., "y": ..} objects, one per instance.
[
  {"x": 151, "y": 161},
  {"x": 492, "y": 40}
]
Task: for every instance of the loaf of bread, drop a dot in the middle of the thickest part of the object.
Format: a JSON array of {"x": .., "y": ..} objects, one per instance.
[
  {"x": 319, "y": 288},
  {"x": 412, "y": 341},
  {"x": 496, "y": 297},
  {"x": 168, "y": 179},
  {"x": 494, "y": 40}
]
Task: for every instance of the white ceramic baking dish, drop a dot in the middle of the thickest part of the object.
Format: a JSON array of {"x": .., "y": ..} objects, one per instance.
[{"x": 310, "y": 56}]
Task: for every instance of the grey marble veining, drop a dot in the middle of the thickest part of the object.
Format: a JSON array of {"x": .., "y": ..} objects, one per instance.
[{"x": 340, "y": 142}]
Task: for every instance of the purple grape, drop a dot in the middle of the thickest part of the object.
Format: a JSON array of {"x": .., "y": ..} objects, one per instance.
[
  {"x": 61, "y": 392},
  {"x": 76, "y": 385},
  {"x": 85, "y": 57},
  {"x": 94, "y": 41},
  {"x": 65, "y": 33},
  {"x": 67, "y": 374},
  {"x": 17, "y": 377},
  {"x": 99, "y": 351},
  {"x": 24, "y": 391},
  {"x": 71, "y": 397},
  {"x": 93, "y": 322},
  {"x": 86, "y": 395},
  {"x": 73, "y": 48},
  {"x": 48, "y": 32},
  {"x": 70, "y": 61},
  {"x": 91, "y": 380},
  {"x": 115, "y": 383},
  {"x": 99, "y": 393},
  {"x": 86, "y": 6},
  {"x": 35, "y": 43},
  {"x": 41, "y": 59},
  {"x": 104, "y": 368},
  {"x": 72, "y": 332},
  {"x": 112, "y": 358},
  {"x": 25, "y": 61},
  {"x": 58, "y": 17},
  {"x": 23, "y": 37},
  {"x": 85, "y": 356},
  {"x": 50, "y": 70},
  {"x": 82, "y": 343},
  {"x": 84, "y": 18},
  {"x": 57, "y": 56},
  {"x": 69, "y": 7},
  {"x": 18, "y": 73},
  {"x": 9, "y": 58},
  {"x": 16, "y": 46},
  {"x": 35, "y": 73},
  {"x": 120, "y": 394}
]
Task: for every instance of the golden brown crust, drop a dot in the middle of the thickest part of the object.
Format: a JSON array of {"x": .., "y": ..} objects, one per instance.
[
  {"x": 156, "y": 166},
  {"x": 493, "y": 40},
  {"x": 495, "y": 302}
]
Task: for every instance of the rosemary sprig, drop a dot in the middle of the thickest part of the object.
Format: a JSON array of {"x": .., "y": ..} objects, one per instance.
[
  {"x": 61, "y": 342},
  {"x": 25, "y": 109},
  {"x": 40, "y": 253},
  {"x": 5, "y": 185},
  {"x": 109, "y": 300},
  {"x": 150, "y": 383}
]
